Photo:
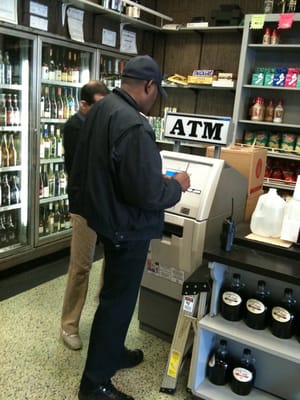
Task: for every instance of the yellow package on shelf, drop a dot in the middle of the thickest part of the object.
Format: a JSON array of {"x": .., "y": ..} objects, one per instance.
[
  {"x": 199, "y": 80},
  {"x": 180, "y": 79}
]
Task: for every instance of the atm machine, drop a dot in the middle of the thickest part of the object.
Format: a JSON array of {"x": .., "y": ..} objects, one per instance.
[{"x": 192, "y": 224}]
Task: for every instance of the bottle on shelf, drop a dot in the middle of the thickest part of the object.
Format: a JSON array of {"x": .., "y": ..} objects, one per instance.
[
  {"x": 4, "y": 151},
  {"x": 283, "y": 316},
  {"x": 64, "y": 69},
  {"x": 68, "y": 222},
  {"x": 11, "y": 233},
  {"x": 291, "y": 6},
  {"x": 62, "y": 181},
  {"x": 258, "y": 110},
  {"x": 47, "y": 103},
  {"x": 52, "y": 140},
  {"x": 56, "y": 219},
  {"x": 56, "y": 181},
  {"x": 257, "y": 308},
  {"x": 71, "y": 103},
  {"x": 59, "y": 104},
  {"x": 232, "y": 299},
  {"x": 59, "y": 144},
  {"x": 65, "y": 103},
  {"x": 3, "y": 112},
  {"x": 41, "y": 184},
  {"x": 268, "y": 6},
  {"x": 16, "y": 110},
  {"x": 267, "y": 36},
  {"x": 3, "y": 236},
  {"x": 75, "y": 69},
  {"x": 5, "y": 191},
  {"x": 51, "y": 181},
  {"x": 269, "y": 112},
  {"x": 14, "y": 191},
  {"x": 70, "y": 67},
  {"x": 9, "y": 110},
  {"x": 7, "y": 69},
  {"x": 53, "y": 103},
  {"x": 50, "y": 219},
  {"x": 76, "y": 101},
  {"x": 2, "y": 69},
  {"x": 243, "y": 375},
  {"x": 275, "y": 38},
  {"x": 45, "y": 182},
  {"x": 278, "y": 112},
  {"x": 58, "y": 66},
  {"x": 46, "y": 142},
  {"x": 41, "y": 221},
  {"x": 52, "y": 67},
  {"x": 62, "y": 215},
  {"x": 12, "y": 153},
  {"x": 45, "y": 65},
  {"x": 218, "y": 367}
]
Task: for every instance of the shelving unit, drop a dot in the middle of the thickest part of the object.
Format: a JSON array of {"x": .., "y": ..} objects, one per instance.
[
  {"x": 272, "y": 355},
  {"x": 253, "y": 55},
  {"x": 115, "y": 15}
]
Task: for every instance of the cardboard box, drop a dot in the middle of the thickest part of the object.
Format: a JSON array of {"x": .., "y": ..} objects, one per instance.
[
  {"x": 249, "y": 161},
  {"x": 251, "y": 202}
]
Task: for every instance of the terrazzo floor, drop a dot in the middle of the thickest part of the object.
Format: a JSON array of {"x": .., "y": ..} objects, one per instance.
[{"x": 36, "y": 366}]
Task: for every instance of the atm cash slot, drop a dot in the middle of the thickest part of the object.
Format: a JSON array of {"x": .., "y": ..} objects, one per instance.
[{"x": 172, "y": 229}]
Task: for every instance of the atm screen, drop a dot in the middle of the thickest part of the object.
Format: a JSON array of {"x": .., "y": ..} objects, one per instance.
[{"x": 199, "y": 172}]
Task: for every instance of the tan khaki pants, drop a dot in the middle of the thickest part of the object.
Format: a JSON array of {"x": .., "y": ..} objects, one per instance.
[{"x": 82, "y": 256}]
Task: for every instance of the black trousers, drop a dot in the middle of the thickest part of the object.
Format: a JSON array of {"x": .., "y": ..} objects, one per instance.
[{"x": 124, "y": 266}]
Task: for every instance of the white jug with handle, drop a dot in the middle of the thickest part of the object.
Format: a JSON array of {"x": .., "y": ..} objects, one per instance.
[
  {"x": 291, "y": 219},
  {"x": 267, "y": 217}
]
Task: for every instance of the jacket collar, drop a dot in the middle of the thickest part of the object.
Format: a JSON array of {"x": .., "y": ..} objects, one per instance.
[{"x": 125, "y": 96}]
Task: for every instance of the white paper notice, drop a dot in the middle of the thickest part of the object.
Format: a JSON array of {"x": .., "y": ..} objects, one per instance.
[
  {"x": 109, "y": 38},
  {"x": 75, "y": 24},
  {"x": 127, "y": 41},
  {"x": 38, "y": 9},
  {"x": 38, "y": 23},
  {"x": 8, "y": 11}
]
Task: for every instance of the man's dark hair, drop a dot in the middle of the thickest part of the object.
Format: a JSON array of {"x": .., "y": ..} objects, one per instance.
[{"x": 89, "y": 90}]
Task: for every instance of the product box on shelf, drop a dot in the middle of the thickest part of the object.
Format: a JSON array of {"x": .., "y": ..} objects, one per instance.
[{"x": 249, "y": 161}]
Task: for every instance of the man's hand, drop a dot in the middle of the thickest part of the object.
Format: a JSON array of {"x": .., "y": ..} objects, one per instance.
[{"x": 184, "y": 180}]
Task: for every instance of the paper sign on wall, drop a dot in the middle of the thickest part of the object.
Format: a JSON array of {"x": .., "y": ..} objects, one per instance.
[{"x": 127, "y": 41}]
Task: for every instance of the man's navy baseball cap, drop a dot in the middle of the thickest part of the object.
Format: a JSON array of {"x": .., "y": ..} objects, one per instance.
[{"x": 145, "y": 68}]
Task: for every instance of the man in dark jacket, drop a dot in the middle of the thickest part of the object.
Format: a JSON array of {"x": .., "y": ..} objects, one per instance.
[{"x": 123, "y": 196}]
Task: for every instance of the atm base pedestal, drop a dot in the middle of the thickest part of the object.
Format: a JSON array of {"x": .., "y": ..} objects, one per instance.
[{"x": 157, "y": 313}]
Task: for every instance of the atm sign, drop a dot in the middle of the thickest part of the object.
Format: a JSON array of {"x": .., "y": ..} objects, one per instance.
[{"x": 199, "y": 128}]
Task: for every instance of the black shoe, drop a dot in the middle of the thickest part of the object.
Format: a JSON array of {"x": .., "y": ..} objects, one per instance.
[
  {"x": 132, "y": 358},
  {"x": 104, "y": 392}
]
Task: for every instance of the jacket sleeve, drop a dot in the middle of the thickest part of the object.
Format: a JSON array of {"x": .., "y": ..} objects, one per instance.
[{"x": 139, "y": 173}]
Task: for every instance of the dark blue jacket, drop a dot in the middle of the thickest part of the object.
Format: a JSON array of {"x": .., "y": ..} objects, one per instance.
[{"x": 117, "y": 172}]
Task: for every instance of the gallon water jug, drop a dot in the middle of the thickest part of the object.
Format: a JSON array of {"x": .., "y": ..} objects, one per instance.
[
  {"x": 267, "y": 217},
  {"x": 291, "y": 218}
]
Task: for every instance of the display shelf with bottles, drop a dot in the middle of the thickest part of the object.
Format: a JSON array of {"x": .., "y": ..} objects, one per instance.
[
  {"x": 64, "y": 69},
  {"x": 271, "y": 353},
  {"x": 269, "y": 76},
  {"x": 16, "y": 53},
  {"x": 111, "y": 68}
]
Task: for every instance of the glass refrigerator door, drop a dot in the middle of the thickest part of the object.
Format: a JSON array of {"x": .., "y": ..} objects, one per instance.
[
  {"x": 16, "y": 80},
  {"x": 111, "y": 68},
  {"x": 63, "y": 70}
]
